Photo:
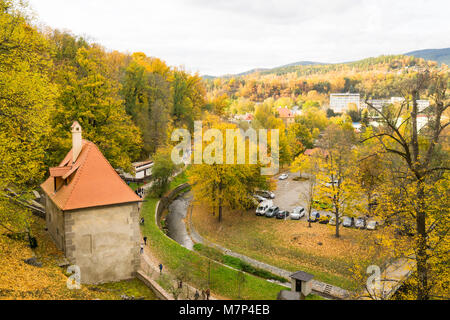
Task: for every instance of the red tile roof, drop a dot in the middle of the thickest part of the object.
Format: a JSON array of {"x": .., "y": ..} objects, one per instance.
[
  {"x": 59, "y": 171},
  {"x": 248, "y": 117},
  {"x": 93, "y": 182},
  {"x": 285, "y": 113}
]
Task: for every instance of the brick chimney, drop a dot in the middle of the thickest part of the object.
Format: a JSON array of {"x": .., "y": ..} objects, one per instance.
[{"x": 77, "y": 143}]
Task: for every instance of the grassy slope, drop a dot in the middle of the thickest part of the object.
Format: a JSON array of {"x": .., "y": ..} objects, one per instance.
[
  {"x": 286, "y": 244},
  {"x": 223, "y": 280}
]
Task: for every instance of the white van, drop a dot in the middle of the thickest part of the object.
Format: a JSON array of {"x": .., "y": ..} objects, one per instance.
[{"x": 263, "y": 207}]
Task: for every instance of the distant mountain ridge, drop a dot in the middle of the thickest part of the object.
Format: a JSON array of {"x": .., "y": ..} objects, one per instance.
[{"x": 438, "y": 55}]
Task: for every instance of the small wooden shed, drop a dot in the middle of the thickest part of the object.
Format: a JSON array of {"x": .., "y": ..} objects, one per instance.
[{"x": 301, "y": 282}]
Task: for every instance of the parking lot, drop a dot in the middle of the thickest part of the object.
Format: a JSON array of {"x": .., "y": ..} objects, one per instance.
[{"x": 290, "y": 194}]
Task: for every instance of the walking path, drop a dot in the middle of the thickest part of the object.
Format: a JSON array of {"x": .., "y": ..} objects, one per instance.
[{"x": 150, "y": 269}]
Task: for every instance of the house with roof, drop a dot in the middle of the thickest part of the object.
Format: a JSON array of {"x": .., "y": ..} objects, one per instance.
[
  {"x": 142, "y": 171},
  {"x": 92, "y": 215},
  {"x": 286, "y": 115}
]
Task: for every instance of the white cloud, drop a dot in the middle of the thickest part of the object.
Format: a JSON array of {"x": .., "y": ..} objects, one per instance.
[{"x": 218, "y": 37}]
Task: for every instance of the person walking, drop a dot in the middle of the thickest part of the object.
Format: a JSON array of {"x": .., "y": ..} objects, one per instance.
[
  {"x": 208, "y": 294},
  {"x": 142, "y": 248},
  {"x": 196, "y": 295},
  {"x": 160, "y": 268},
  {"x": 145, "y": 241}
]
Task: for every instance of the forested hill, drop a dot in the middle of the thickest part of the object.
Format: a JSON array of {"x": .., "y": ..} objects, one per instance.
[
  {"x": 311, "y": 67},
  {"x": 439, "y": 55}
]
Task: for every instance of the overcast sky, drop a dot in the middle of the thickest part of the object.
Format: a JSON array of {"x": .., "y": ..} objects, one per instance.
[{"x": 232, "y": 36}]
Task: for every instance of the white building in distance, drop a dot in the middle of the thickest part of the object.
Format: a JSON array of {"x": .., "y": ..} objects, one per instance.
[
  {"x": 421, "y": 104},
  {"x": 340, "y": 102}
]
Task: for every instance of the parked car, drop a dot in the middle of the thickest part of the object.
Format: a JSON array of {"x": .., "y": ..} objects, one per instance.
[
  {"x": 259, "y": 198},
  {"x": 283, "y": 214},
  {"x": 314, "y": 216},
  {"x": 324, "y": 219},
  {"x": 263, "y": 207},
  {"x": 347, "y": 222},
  {"x": 333, "y": 220},
  {"x": 284, "y": 176},
  {"x": 360, "y": 223},
  {"x": 297, "y": 213},
  {"x": 372, "y": 225},
  {"x": 272, "y": 212},
  {"x": 266, "y": 194}
]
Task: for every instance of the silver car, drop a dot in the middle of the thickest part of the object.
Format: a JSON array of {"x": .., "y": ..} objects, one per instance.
[
  {"x": 272, "y": 212},
  {"x": 263, "y": 207},
  {"x": 284, "y": 176},
  {"x": 360, "y": 223},
  {"x": 297, "y": 213},
  {"x": 371, "y": 225}
]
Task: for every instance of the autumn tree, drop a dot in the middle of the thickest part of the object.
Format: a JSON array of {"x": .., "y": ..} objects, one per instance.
[
  {"x": 89, "y": 95},
  {"x": 371, "y": 169},
  {"x": 300, "y": 138},
  {"x": 419, "y": 172},
  {"x": 336, "y": 184},
  {"x": 309, "y": 167},
  {"x": 219, "y": 184},
  {"x": 26, "y": 100}
]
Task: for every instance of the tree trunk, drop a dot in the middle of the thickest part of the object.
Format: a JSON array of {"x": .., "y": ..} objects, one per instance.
[
  {"x": 337, "y": 224},
  {"x": 220, "y": 202},
  {"x": 422, "y": 258},
  {"x": 214, "y": 198},
  {"x": 309, "y": 211}
]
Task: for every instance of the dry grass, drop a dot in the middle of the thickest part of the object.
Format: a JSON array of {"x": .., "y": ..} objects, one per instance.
[{"x": 287, "y": 244}]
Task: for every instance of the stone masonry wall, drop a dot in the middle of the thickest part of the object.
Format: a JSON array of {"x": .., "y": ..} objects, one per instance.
[{"x": 104, "y": 242}]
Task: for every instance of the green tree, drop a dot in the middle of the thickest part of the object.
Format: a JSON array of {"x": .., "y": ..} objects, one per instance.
[
  {"x": 163, "y": 169},
  {"x": 148, "y": 99},
  {"x": 300, "y": 138},
  {"x": 188, "y": 98}
]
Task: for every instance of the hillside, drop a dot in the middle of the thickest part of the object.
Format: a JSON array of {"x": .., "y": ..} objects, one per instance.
[
  {"x": 372, "y": 76},
  {"x": 439, "y": 55}
]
